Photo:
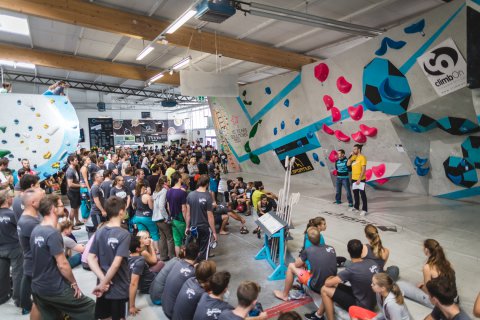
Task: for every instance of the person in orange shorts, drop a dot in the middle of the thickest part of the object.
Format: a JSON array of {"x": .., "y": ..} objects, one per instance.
[{"x": 323, "y": 264}]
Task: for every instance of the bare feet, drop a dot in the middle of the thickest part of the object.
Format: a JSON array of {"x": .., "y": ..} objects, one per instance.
[
  {"x": 279, "y": 295},
  {"x": 224, "y": 232}
]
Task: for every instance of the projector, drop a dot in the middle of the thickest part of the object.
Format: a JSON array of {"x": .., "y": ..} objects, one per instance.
[
  {"x": 215, "y": 11},
  {"x": 169, "y": 103}
]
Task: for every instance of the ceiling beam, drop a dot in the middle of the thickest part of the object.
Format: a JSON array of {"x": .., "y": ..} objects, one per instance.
[
  {"x": 95, "y": 16},
  {"x": 81, "y": 64}
]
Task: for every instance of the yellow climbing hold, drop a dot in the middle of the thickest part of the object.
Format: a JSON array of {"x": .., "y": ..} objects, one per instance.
[
  {"x": 47, "y": 155},
  {"x": 52, "y": 100},
  {"x": 46, "y": 126},
  {"x": 56, "y": 165},
  {"x": 47, "y": 140},
  {"x": 38, "y": 115},
  {"x": 39, "y": 136}
]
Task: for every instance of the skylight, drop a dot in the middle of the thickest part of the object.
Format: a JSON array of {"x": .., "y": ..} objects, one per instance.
[{"x": 15, "y": 25}]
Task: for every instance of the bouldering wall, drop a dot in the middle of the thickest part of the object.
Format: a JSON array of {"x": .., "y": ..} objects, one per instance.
[
  {"x": 404, "y": 95},
  {"x": 42, "y": 129}
]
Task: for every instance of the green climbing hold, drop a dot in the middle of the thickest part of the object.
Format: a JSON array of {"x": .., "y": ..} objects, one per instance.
[
  {"x": 247, "y": 147},
  {"x": 253, "y": 132},
  {"x": 3, "y": 129},
  {"x": 3, "y": 153},
  {"x": 247, "y": 103},
  {"x": 244, "y": 93},
  {"x": 254, "y": 158}
]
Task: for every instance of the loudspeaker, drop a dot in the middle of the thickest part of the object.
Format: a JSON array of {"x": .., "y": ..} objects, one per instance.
[
  {"x": 82, "y": 136},
  {"x": 101, "y": 106}
]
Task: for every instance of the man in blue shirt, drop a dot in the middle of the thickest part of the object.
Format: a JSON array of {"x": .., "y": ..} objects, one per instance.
[{"x": 343, "y": 178}]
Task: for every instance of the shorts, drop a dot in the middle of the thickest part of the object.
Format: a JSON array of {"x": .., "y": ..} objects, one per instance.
[
  {"x": 178, "y": 232},
  {"x": 344, "y": 296},
  {"x": 146, "y": 223},
  {"x": 74, "y": 197},
  {"x": 356, "y": 312},
  {"x": 213, "y": 185},
  {"x": 111, "y": 308},
  {"x": 304, "y": 277}
]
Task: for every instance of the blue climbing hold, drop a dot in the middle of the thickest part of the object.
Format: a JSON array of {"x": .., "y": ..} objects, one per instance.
[
  {"x": 19, "y": 102},
  {"x": 30, "y": 128},
  {"x": 286, "y": 103},
  {"x": 420, "y": 162},
  {"x": 322, "y": 163},
  {"x": 315, "y": 156},
  {"x": 16, "y": 121},
  {"x": 268, "y": 90},
  {"x": 416, "y": 27},
  {"x": 275, "y": 131},
  {"x": 389, "y": 43},
  {"x": 282, "y": 125},
  {"x": 17, "y": 135},
  {"x": 297, "y": 121},
  {"x": 310, "y": 134},
  {"x": 4, "y": 141},
  {"x": 300, "y": 143},
  {"x": 423, "y": 171},
  {"x": 32, "y": 108},
  {"x": 46, "y": 175}
]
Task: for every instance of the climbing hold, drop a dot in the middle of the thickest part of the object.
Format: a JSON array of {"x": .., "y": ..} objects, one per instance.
[
  {"x": 39, "y": 136},
  {"x": 3, "y": 129},
  {"x": 310, "y": 134},
  {"x": 268, "y": 90},
  {"x": 321, "y": 72},
  {"x": 47, "y": 155},
  {"x": 45, "y": 126},
  {"x": 315, "y": 156},
  {"x": 26, "y": 135},
  {"x": 341, "y": 136},
  {"x": 52, "y": 131},
  {"x": 299, "y": 143},
  {"x": 460, "y": 172},
  {"x": 336, "y": 115},
  {"x": 3, "y": 153},
  {"x": 343, "y": 85},
  {"x": 254, "y": 129},
  {"x": 422, "y": 171},
  {"x": 379, "y": 170},
  {"x": 471, "y": 150},
  {"x": 328, "y": 102},
  {"x": 247, "y": 147},
  {"x": 297, "y": 121},
  {"x": 333, "y": 156},
  {"x": 244, "y": 93},
  {"x": 322, "y": 163},
  {"x": 368, "y": 174},
  {"x": 382, "y": 181},
  {"x": 17, "y": 135},
  {"x": 282, "y": 125},
  {"x": 359, "y": 137},
  {"x": 286, "y": 103},
  {"x": 16, "y": 121},
  {"x": 389, "y": 43},
  {"x": 327, "y": 129},
  {"x": 335, "y": 172},
  {"x": 420, "y": 162},
  {"x": 356, "y": 112},
  {"x": 416, "y": 28},
  {"x": 4, "y": 141},
  {"x": 254, "y": 158},
  {"x": 32, "y": 108},
  {"x": 38, "y": 115},
  {"x": 19, "y": 102},
  {"x": 275, "y": 131},
  {"x": 46, "y": 140},
  {"x": 30, "y": 128},
  {"x": 368, "y": 131}
]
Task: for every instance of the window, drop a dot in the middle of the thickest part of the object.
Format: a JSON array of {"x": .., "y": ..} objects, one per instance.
[{"x": 198, "y": 119}]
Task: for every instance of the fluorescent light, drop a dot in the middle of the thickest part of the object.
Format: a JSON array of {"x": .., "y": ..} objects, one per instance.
[
  {"x": 14, "y": 64},
  {"x": 181, "y": 21},
  {"x": 13, "y": 24},
  {"x": 181, "y": 63},
  {"x": 155, "y": 78},
  {"x": 145, "y": 52}
]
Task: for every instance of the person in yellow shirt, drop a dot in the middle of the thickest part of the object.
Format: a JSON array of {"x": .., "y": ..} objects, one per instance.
[{"x": 358, "y": 162}]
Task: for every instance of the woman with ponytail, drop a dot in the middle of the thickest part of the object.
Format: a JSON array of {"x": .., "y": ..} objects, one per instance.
[
  {"x": 436, "y": 266},
  {"x": 321, "y": 225},
  {"x": 389, "y": 300}
]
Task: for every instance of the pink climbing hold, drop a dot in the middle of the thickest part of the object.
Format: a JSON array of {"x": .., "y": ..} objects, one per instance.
[
  {"x": 327, "y": 129},
  {"x": 328, "y": 102},
  {"x": 382, "y": 181},
  {"x": 343, "y": 85},
  {"x": 356, "y": 112},
  {"x": 368, "y": 131},
  {"x": 359, "y": 137},
  {"x": 341, "y": 136},
  {"x": 321, "y": 72},
  {"x": 336, "y": 115},
  {"x": 368, "y": 174},
  {"x": 335, "y": 172},
  {"x": 379, "y": 170},
  {"x": 333, "y": 156}
]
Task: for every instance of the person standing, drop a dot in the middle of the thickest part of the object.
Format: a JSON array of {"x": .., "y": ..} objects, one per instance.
[
  {"x": 10, "y": 250},
  {"x": 97, "y": 212},
  {"x": 55, "y": 289},
  {"x": 200, "y": 222},
  {"x": 358, "y": 162},
  {"x": 160, "y": 217},
  {"x": 27, "y": 222},
  {"x": 177, "y": 208},
  {"x": 73, "y": 189},
  {"x": 343, "y": 178},
  {"x": 108, "y": 259}
]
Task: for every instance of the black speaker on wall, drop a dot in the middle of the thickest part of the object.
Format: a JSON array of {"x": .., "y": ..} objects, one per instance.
[
  {"x": 82, "y": 136},
  {"x": 473, "y": 48}
]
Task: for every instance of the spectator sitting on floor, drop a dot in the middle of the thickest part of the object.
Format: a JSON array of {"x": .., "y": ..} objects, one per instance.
[
  {"x": 73, "y": 250},
  {"x": 443, "y": 294},
  {"x": 212, "y": 303},
  {"x": 148, "y": 251},
  {"x": 323, "y": 264},
  {"x": 247, "y": 294}
]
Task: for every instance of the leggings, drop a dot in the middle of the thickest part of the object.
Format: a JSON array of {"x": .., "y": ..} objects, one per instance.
[
  {"x": 414, "y": 293},
  {"x": 356, "y": 193}
]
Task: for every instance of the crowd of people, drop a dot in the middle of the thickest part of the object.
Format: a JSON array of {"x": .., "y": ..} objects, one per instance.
[{"x": 153, "y": 217}]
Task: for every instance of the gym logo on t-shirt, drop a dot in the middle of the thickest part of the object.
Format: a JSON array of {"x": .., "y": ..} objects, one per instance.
[
  {"x": 213, "y": 312},
  {"x": 113, "y": 243},
  {"x": 202, "y": 200},
  {"x": 121, "y": 194},
  {"x": 190, "y": 293},
  {"x": 4, "y": 219},
  {"x": 374, "y": 269},
  {"x": 185, "y": 271},
  {"x": 330, "y": 250},
  {"x": 39, "y": 241}
]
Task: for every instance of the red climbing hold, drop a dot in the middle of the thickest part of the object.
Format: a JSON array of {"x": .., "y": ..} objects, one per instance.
[
  {"x": 336, "y": 115},
  {"x": 368, "y": 131},
  {"x": 321, "y": 72},
  {"x": 328, "y": 102},
  {"x": 333, "y": 156},
  {"x": 356, "y": 112},
  {"x": 382, "y": 181},
  {"x": 341, "y": 136},
  {"x": 368, "y": 174},
  {"x": 359, "y": 137},
  {"x": 379, "y": 170},
  {"x": 335, "y": 172},
  {"x": 343, "y": 85},
  {"x": 327, "y": 129}
]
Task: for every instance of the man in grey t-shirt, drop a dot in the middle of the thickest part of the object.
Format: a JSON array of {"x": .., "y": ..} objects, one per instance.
[
  {"x": 54, "y": 287},
  {"x": 97, "y": 195},
  {"x": 443, "y": 294},
  {"x": 360, "y": 293},
  {"x": 199, "y": 218},
  {"x": 73, "y": 188}
]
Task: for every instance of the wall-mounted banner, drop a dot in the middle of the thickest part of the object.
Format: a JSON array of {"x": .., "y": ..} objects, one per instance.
[{"x": 444, "y": 67}]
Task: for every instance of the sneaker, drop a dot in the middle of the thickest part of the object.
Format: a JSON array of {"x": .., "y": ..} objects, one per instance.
[
  {"x": 350, "y": 205},
  {"x": 25, "y": 311},
  {"x": 337, "y": 202},
  {"x": 363, "y": 213},
  {"x": 313, "y": 316},
  {"x": 352, "y": 210},
  {"x": 296, "y": 295}
]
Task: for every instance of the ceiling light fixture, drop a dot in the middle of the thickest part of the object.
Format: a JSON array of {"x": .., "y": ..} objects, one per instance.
[
  {"x": 182, "y": 63},
  {"x": 13, "y": 24},
  {"x": 155, "y": 78},
  {"x": 187, "y": 15},
  {"x": 15, "y": 64},
  {"x": 145, "y": 52}
]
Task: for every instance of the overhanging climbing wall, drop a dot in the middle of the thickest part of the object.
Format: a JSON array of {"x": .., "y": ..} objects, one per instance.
[
  {"x": 42, "y": 129},
  {"x": 403, "y": 95}
]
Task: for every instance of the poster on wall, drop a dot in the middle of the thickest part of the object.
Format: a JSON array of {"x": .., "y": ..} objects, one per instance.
[
  {"x": 101, "y": 132},
  {"x": 444, "y": 67},
  {"x": 149, "y": 131},
  {"x": 302, "y": 162}
]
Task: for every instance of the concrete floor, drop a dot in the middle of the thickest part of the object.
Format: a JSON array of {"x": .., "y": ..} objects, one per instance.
[{"x": 453, "y": 224}]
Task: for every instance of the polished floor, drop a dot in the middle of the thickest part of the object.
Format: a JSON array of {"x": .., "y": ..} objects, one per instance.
[{"x": 454, "y": 224}]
